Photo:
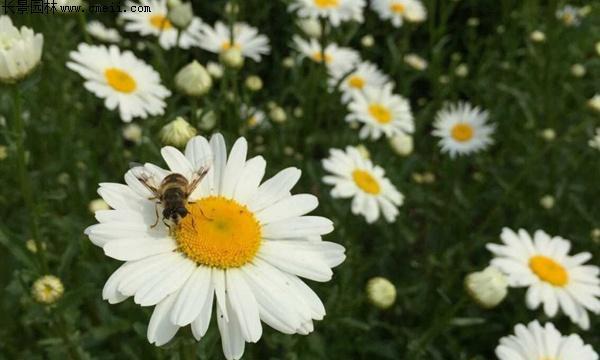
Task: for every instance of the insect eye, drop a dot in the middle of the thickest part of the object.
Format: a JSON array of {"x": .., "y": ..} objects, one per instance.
[{"x": 182, "y": 211}]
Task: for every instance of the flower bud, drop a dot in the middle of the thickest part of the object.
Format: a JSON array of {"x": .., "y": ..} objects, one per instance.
[
  {"x": 232, "y": 58},
  {"x": 132, "y": 133},
  {"x": 367, "y": 41},
  {"x": 254, "y": 83},
  {"x": 381, "y": 292},
  {"x": 98, "y": 205},
  {"x": 488, "y": 287},
  {"x": 462, "y": 70},
  {"x": 20, "y": 51},
  {"x": 548, "y": 134},
  {"x": 547, "y": 202},
  {"x": 193, "y": 80},
  {"x": 231, "y": 8},
  {"x": 47, "y": 289},
  {"x": 537, "y": 36},
  {"x": 415, "y": 61},
  {"x": 181, "y": 14},
  {"x": 363, "y": 151},
  {"x": 207, "y": 121},
  {"x": 288, "y": 62},
  {"x": 594, "y": 102},
  {"x": 578, "y": 70},
  {"x": 215, "y": 70},
  {"x": 277, "y": 114},
  {"x": 402, "y": 144},
  {"x": 310, "y": 26},
  {"x": 177, "y": 133}
]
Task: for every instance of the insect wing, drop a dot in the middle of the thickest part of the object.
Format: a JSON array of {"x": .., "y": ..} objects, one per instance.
[{"x": 197, "y": 178}]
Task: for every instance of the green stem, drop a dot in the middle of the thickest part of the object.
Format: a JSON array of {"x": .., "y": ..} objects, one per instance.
[
  {"x": 83, "y": 25},
  {"x": 64, "y": 334},
  {"x": 416, "y": 350},
  {"x": 25, "y": 180}
]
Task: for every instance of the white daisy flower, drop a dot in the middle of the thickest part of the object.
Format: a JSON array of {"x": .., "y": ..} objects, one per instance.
[
  {"x": 399, "y": 10},
  {"x": 381, "y": 112},
  {"x": 354, "y": 176},
  {"x": 462, "y": 129},
  {"x": 569, "y": 15},
  {"x": 97, "y": 29},
  {"x": 245, "y": 37},
  {"x": 121, "y": 79},
  {"x": 157, "y": 24},
  {"x": 253, "y": 117},
  {"x": 365, "y": 75},
  {"x": 20, "y": 51},
  {"x": 553, "y": 277},
  {"x": 335, "y": 11},
  {"x": 533, "y": 342},
  {"x": 338, "y": 59},
  {"x": 242, "y": 242}
]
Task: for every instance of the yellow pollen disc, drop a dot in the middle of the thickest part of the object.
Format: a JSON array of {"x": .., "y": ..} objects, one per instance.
[
  {"x": 323, "y": 4},
  {"x": 366, "y": 182},
  {"x": 462, "y": 132},
  {"x": 226, "y": 45},
  {"x": 120, "y": 80},
  {"x": 356, "y": 82},
  {"x": 381, "y": 113},
  {"x": 397, "y": 8},
  {"x": 160, "y": 22},
  {"x": 318, "y": 57},
  {"x": 549, "y": 270},
  {"x": 219, "y": 232}
]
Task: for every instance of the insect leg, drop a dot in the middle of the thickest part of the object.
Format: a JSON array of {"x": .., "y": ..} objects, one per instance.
[{"x": 156, "y": 211}]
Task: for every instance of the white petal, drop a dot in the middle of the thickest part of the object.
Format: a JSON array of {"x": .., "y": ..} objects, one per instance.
[
  {"x": 234, "y": 167},
  {"x": 244, "y": 304},
  {"x": 274, "y": 189},
  {"x": 177, "y": 162},
  {"x": 192, "y": 297},
  {"x": 293, "y": 206},
  {"x": 232, "y": 340},
  {"x": 160, "y": 329},
  {"x": 298, "y": 227}
]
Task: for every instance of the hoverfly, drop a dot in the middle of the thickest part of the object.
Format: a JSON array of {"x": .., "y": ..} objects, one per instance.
[{"x": 172, "y": 193}]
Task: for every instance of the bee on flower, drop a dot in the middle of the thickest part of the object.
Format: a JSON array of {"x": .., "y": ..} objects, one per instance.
[{"x": 255, "y": 244}]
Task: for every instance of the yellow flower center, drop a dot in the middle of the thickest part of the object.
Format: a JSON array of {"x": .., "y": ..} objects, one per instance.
[
  {"x": 219, "y": 232},
  {"x": 356, "y": 81},
  {"x": 549, "y": 270},
  {"x": 226, "y": 45},
  {"x": 462, "y": 132},
  {"x": 366, "y": 182},
  {"x": 120, "y": 80},
  {"x": 318, "y": 57},
  {"x": 160, "y": 22},
  {"x": 381, "y": 113},
  {"x": 323, "y": 4},
  {"x": 397, "y": 8}
]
